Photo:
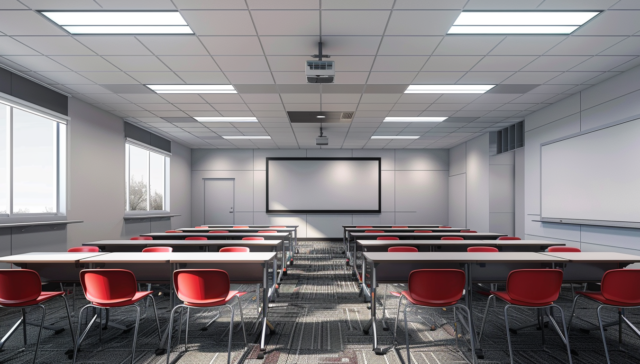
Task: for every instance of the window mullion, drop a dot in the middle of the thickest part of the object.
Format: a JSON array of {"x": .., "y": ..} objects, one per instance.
[
  {"x": 148, "y": 181},
  {"x": 10, "y": 161}
]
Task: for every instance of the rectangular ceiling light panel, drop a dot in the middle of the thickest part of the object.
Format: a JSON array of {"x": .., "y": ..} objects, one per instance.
[
  {"x": 120, "y": 22},
  {"x": 401, "y": 119},
  {"x": 520, "y": 22},
  {"x": 394, "y": 137},
  {"x": 193, "y": 89},
  {"x": 448, "y": 89},
  {"x": 237, "y": 119}
]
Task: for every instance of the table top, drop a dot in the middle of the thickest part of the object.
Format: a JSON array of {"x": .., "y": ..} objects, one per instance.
[
  {"x": 458, "y": 242},
  {"x": 391, "y": 226},
  {"x": 250, "y": 226},
  {"x": 248, "y": 230},
  {"x": 597, "y": 257},
  {"x": 407, "y": 230},
  {"x": 181, "y": 258},
  {"x": 184, "y": 242},
  {"x": 462, "y": 257},
  {"x": 48, "y": 257},
  {"x": 218, "y": 235},
  {"x": 522, "y": 242},
  {"x": 438, "y": 234}
]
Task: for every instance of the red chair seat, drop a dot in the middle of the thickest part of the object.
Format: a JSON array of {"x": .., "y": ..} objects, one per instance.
[
  {"x": 137, "y": 297},
  {"x": 503, "y": 295},
  {"x": 597, "y": 296},
  {"x": 423, "y": 303},
  {"x": 216, "y": 301},
  {"x": 44, "y": 296}
]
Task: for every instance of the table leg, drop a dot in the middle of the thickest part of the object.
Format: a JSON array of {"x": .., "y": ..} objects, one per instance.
[
  {"x": 468, "y": 301},
  {"x": 172, "y": 301},
  {"x": 265, "y": 308}
]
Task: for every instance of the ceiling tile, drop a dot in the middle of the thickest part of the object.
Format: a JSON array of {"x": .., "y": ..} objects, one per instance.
[
  {"x": 156, "y": 77},
  {"x": 353, "y": 22},
  {"x": 137, "y": 63},
  {"x": 503, "y": 63},
  {"x": 85, "y": 63},
  {"x": 11, "y": 47},
  {"x": 194, "y": 107},
  {"x": 408, "y": 46},
  {"x": 462, "y": 45},
  {"x": 109, "y": 77},
  {"x": 394, "y": 78},
  {"x": 586, "y": 46},
  {"x": 490, "y": 78},
  {"x": 37, "y": 63},
  {"x": 216, "y": 78},
  {"x": 143, "y": 99},
  {"x": 154, "y": 107},
  {"x": 602, "y": 63},
  {"x": 284, "y": 4},
  {"x": 12, "y": 4},
  {"x": 265, "y": 107},
  {"x": 555, "y": 63},
  {"x": 223, "y": 98},
  {"x": 286, "y": 22},
  {"x": 549, "y": 89},
  {"x": 184, "y": 98},
  {"x": 601, "y": 78},
  {"x": 341, "y": 98},
  {"x": 137, "y": 4},
  {"x": 502, "y": 5},
  {"x": 250, "y": 77},
  {"x": 349, "y": 46},
  {"x": 609, "y": 23},
  {"x": 418, "y": 98},
  {"x": 284, "y": 45},
  {"x": 114, "y": 45},
  {"x": 27, "y": 22},
  {"x": 379, "y": 107},
  {"x": 108, "y": 98},
  {"x": 437, "y": 78},
  {"x": 577, "y": 4},
  {"x": 179, "y": 45},
  {"x": 289, "y": 78},
  {"x": 526, "y": 45},
  {"x": 573, "y": 78},
  {"x": 242, "y": 63},
  {"x": 229, "y": 22},
  {"x": 629, "y": 46},
  {"x": 53, "y": 46},
  {"x": 357, "y": 4},
  {"x": 533, "y": 78},
  {"x": 67, "y": 78},
  {"x": 190, "y": 63},
  {"x": 300, "y": 98},
  {"x": 399, "y": 63},
  {"x": 210, "y": 4},
  {"x": 451, "y": 63},
  {"x": 89, "y": 89},
  {"x": 418, "y": 22},
  {"x": 432, "y": 4},
  {"x": 233, "y": 46}
]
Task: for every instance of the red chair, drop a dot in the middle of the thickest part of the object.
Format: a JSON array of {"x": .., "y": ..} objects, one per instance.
[
  {"x": 84, "y": 249},
  {"x": 218, "y": 232},
  {"x": 235, "y": 249},
  {"x": 434, "y": 288},
  {"x": 158, "y": 249},
  {"x": 482, "y": 249},
  {"x": 240, "y": 227},
  {"x": 267, "y": 232},
  {"x": 423, "y": 231},
  {"x": 508, "y": 238},
  {"x": 204, "y": 288},
  {"x": 399, "y": 227},
  {"x": 620, "y": 288},
  {"x": 22, "y": 288},
  {"x": 531, "y": 288},
  {"x": 374, "y": 231},
  {"x": 202, "y": 227},
  {"x": 387, "y": 238},
  {"x": 111, "y": 288},
  {"x": 364, "y": 227},
  {"x": 402, "y": 249},
  {"x": 452, "y": 238},
  {"x": 445, "y": 227},
  {"x": 172, "y": 231},
  {"x": 141, "y": 238},
  {"x": 468, "y": 231},
  {"x": 563, "y": 249},
  {"x": 196, "y": 238},
  {"x": 253, "y": 238}
]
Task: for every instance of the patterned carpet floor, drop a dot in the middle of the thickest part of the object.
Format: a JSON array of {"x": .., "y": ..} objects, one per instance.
[{"x": 318, "y": 319}]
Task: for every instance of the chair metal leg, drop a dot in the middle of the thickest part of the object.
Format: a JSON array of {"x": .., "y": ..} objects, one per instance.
[
  {"x": 155, "y": 311},
  {"x": 258, "y": 298},
  {"x": 506, "y": 322},
  {"x": 566, "y": 332},
  {"x": 230, "y": 335},
  {"x": 186, "y": 331},
  {"x": 24, "y": 326},
  {"x": 135, "y": 334},
  {"x": 469, "y": 318},
  {"x": 66, "y": 305},
  {"x": 180, "y": 326},
  {"x": 244, "y": 334},
  {"x": 169, "y": 332},
  {"x": 395, "y": 329},
  {"x": 486, "y": 313},
  {"x": 604, "y": 341},
  {"x": 406, "y": 333},
  {"x": 79, "y": 337},
  {"x": 44, "y": 313},
  {"x": 573, "y": 310}
]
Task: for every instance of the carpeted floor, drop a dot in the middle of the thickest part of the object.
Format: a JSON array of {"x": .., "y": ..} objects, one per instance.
[{"x": 318, "y": 318}]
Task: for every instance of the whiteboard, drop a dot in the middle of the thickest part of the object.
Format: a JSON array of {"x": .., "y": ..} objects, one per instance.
[
  {"x": 593, "y": 176},
  {"x": 329, "y": 185}
]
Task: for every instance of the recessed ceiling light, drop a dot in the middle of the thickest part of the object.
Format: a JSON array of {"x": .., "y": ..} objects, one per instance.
[
  {"x": 400, "y": 119},
  {"x": 120, "y": 22},
  {"x": 394, "y": 137},
  {"x": 320, "y": 116},
  {"x": 448, "y": 89},
  {"x": 193, "y": 89},
  {"x": 235, "y": 119},
  {"x": 520, "y": 22},
  {"x": 247, "y": 137}
]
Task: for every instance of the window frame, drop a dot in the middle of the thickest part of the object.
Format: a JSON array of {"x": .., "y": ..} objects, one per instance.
[{"x": 167, "y": 173}]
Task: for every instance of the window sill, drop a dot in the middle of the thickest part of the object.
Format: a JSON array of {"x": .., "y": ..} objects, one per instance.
[
  {"x": 39, "y": 223},
  {"x": 139, "y": 217}
]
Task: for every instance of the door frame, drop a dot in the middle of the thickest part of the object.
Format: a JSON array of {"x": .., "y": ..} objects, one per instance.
[{"x": 204, "y": 194}]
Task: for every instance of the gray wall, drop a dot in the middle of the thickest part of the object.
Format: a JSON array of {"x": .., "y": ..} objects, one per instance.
[
  {"x": 519, "y": 214},
  {"x": 609, "y": 101},
  {"x": 502, "y": 193},
  {"x": 180, "y": 185},
  {"x": 414, "y": 187}
]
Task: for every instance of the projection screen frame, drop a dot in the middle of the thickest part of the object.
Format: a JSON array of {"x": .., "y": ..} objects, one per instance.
[
  {"x": 592, "y": 222},
  {"x": 379, "y": 210}
]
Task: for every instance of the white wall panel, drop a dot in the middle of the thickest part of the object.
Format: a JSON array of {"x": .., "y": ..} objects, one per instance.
[
  {"x": 327, "y": 226},
  {"x": 610, "y": 89},
  {"x": 262, "y": 218},
  {"x": 260, "y": 156},
  {"x": 458, "y": 200},
  {"x": 244, "y": 218},
  {"x": 519, "y": 193},
  {"x": 458, "y": 159},
  {"x": 610, "y": 111},
  {"x": 222, "y": 160},
  {"x": 385, "y": 218},
  {"x": 501, "y": 222},
  {"x": 557, "y": 111},
  {"x": 329, "y": 153},
  {"x": 550, "y": 230},
  {"x": 478, "y": 183},
  {"x": 572, "y": 243},
  {"x": 387, "y": 157},
  {"x": 422, "y": 160},
  {"x": 388, "y": 180},
  {"x": 180, "y": 196},
  {"x": 424, "y": 193},
  {"x": 501, "y": 188},
  {"x": 259, "y": 191},
  {"x": 622, "y": 238}
]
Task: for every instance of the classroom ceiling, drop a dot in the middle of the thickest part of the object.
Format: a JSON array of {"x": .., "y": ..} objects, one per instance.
[{"x": 380, "y": 47}]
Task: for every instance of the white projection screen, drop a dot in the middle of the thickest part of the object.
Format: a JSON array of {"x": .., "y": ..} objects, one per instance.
[
  {"x": 323, "y": 185},
  {"x": 593, "y": 177}
]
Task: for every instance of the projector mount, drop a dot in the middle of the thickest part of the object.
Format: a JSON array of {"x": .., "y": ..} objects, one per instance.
[{"x": 319, "y": 56}]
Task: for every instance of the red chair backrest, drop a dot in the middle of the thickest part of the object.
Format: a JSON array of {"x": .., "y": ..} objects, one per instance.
[
  {"x": 621, "y": 285},
  {"x": 402, "y": 249},
  {"x": 388, "y": 238},
  {"x": 437, "y": 286},
  {"x": 374, "y": 231},
  {"x": 267, "y": 232},
  {"x": 445, "y": 227},
  {"x": 108, "y": 285},
  {"x": 536, "y": 286},
  {"x": 468, "y": 231},
  {"x": 19, "y": 285},
  {"x": 201, "y": 285},
  {"x": 253, "y": 238},
  {"x": 141, "y": 238},
  {"x": 563, "y": 249},
  {"x": 196, "y": 238},
  {"x": 235, "y": 249},
  {"x": 278, "y": 227},
  {"x": 217, "y": 231},
  {"x": 240, "y": 227},
  {"x": 364, "y": 227},
  {"x": 173, "y": 231},
  {"x": 158, "y": 249},
  {"x": 399, "y": 227},
  {"x": 202, "y": 227},
  {"x": 423, "y": 231},
  {"x": 482, "y": 249},
  {"x": 452, "y": 238},
  {"x": 509, "y": 238},
  {"x": 84, "y": 249}
]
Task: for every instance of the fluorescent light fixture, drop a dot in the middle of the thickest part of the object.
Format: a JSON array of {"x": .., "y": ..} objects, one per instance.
[
  {"x": 448, "y": 89},
  {"x": 320, "y": 116},
  {"x": 120, "y": 22},
  {"x": 193, "y": 89},
  {"x": 394, "y": 137},
  {"x": 247, "y": 137},
  {"x": 520, "y": 22},
  {"x": 238, "y": 119},
  {"x": 400, "y": 119}
]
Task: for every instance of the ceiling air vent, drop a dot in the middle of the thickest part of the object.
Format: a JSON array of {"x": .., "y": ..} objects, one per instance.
[{"x": 346, "y": 116}]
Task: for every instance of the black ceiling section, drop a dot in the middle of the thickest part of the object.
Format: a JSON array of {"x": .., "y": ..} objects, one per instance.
[
  {"x": 27, "y": 90},
  {"x": 133, "y": 132},
  {"x": 329, "y": 116}
]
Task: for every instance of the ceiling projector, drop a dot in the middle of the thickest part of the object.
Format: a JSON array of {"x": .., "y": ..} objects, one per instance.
[
  {"x": 320, "y": 71},
  {"x": 322, "y": 139}
]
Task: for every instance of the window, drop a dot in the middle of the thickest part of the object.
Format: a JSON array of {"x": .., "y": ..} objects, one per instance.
[
  {"x": 146, "y": 179},
  {"x": 32, "y": 162}
]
